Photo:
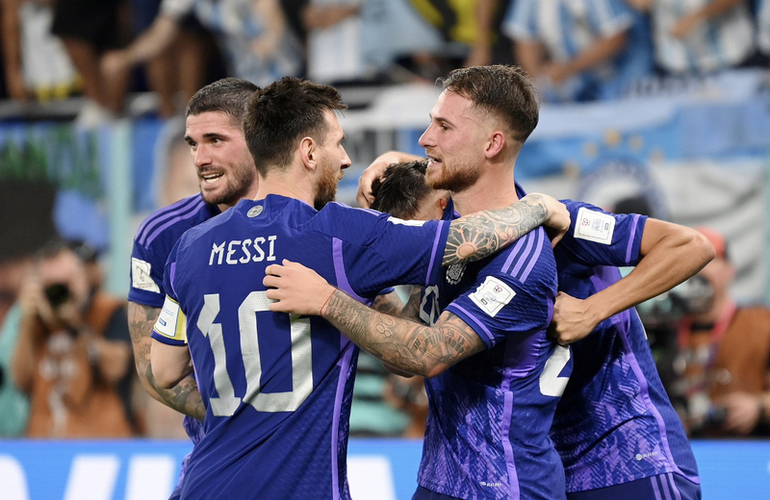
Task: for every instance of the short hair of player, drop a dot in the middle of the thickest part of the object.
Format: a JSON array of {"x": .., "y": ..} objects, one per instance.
[
  {"x": 503, "y": 90},
  {"x": 401, "y": 189},
  {"x": 282, "y": 114},
  {"x": 228, "y": 95}
]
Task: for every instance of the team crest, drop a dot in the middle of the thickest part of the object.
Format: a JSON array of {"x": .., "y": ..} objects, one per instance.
[
  {"x": 454, "y": 273},
  {"x": 254, "y": 211}
]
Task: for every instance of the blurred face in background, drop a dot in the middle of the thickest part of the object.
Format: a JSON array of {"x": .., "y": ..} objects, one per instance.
[
  {"x": 226, "y": 171},
  {"x": 64, "y": 280}
]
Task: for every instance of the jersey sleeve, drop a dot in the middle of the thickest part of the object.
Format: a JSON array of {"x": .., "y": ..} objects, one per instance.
[
  {"x": 171, "y": 326},
  {"x": 597, "y": 237},
  {"x": 499, "y": 306},
  {"x": 373, "y": 251},
  {"x": 147, "y": 264},
  {"x": 609, "y": 17},
  {"x": 520, "y": 21}
]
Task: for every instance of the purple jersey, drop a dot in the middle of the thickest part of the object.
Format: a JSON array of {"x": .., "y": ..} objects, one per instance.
[
  {"x": 152, "y": 244},
  {"x": 277, "y": 388},
  {"x": 487, "y": 432},
  {"x": 615, "y": 423}
]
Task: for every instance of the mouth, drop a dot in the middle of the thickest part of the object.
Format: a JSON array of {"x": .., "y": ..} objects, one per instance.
[{"x": 210, "y": 178}]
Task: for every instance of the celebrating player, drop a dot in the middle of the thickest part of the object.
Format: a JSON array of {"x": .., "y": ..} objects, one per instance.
[{"x": 277, "y": 388}]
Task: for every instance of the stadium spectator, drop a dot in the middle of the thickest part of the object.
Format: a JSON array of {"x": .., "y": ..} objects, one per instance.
[
  {"x": 36, "y": 63},
  {"x": 181, "y": 67},
  {"x": 488, "y": 319},
  {"x": 73, "y": 355},
  {"x": 584, "y": 50},
  {"x": 699, "y": 37},
  {"x": 725, "y": 358},
  {"x": 88, "y": 29},
  {"x": 254, "y": 36},
  {"x": 278, "y": 399}
]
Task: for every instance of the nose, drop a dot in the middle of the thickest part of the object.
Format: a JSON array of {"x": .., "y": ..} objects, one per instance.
[
  {"x": 345, "y": 160},
  {"x": 201, "y": 156},
  {"x": 426, "y": 139}
]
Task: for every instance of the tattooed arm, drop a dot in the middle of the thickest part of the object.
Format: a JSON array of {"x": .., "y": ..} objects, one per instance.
[
  {"x": 406, "y": 345},
  {"x": 183, "y": 397},
  {"x": 479, "y": 235}
]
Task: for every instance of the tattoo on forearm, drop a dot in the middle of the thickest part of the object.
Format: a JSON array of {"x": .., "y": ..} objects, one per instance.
[
  {"x": 404, "y": 344},
  {"x": 484, "y": 233},
  {"x": 184, "y": 397}
]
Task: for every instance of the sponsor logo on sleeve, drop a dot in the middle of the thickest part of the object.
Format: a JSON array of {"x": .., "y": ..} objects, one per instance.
[
  {"x": 594, "y": 226},
  {"x": 492, "y": 295},
  {"x": 140, "y": 276}
]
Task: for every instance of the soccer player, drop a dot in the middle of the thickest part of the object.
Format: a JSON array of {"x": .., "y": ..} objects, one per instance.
[
  {"x": 226, "y": 174},
  {"x": 614, "y": 404},
  {"x": 495, "y": 375},
  {"x": 277, "y": 388}
]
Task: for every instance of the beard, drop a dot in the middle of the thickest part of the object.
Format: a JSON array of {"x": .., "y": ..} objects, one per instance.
[
  {"x": 326, "y": 190},
  {"x": 238, "y": 184},
  {"x": 455, "y": 181}
]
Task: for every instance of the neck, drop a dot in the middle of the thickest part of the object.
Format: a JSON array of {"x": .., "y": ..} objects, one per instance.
[
  {"x": 286, "y": 183},
  {"x": 249, "y": 195},
  {"x": 494, "y": 189}
]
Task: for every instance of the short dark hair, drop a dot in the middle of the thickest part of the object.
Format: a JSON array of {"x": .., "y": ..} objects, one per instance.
[
  {"x": 401, "y": 189},
  {"x": 228, "y": 95},
  {"x": 284, "y": 112},
  {"x": 503, "y": 90}
]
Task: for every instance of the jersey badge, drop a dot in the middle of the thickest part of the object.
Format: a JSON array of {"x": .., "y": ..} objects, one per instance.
[
  {"x": 140, "y": 276},
  {"x": 255, "y": 211},
  {"x": 454, "y": 273},
  {"x": 492, "y": 295},
  {"x": 594, "y": 226}
]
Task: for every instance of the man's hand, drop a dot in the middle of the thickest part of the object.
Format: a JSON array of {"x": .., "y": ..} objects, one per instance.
[
  {"x": 742, "y": 412},
  {"x": 572, "y": 319},
  {"x": 375, "y": 171},
  {"x": 296, "y": 289},
  {"x": 558, "y": 219}
]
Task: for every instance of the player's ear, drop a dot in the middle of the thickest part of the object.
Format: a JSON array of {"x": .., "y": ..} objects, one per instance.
[
  {"x": 308, "y": 151},
  {"x": 443, "y": 201},
  {"x": 495, "y": 144}
]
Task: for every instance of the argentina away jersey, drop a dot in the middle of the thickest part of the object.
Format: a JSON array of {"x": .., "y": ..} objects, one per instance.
[
  {"x": 487, "y": 432},
  {"x": 277, "y": 388},
  {"x": 614, "y": 423},
  {"x": 153, "y": 242}
]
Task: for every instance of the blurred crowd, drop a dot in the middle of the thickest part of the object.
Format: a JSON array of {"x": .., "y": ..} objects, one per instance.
[
  {"x": 575, "y": 50},
  {"x": 66, "y": 366}
]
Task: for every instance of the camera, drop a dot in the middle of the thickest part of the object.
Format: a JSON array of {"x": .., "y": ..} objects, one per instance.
[{"x": 57, "y": 294}]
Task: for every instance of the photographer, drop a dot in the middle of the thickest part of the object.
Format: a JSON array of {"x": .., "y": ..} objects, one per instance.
[
  {"x": 73, "y": 355},
  {"x": 724, "y": 358}
]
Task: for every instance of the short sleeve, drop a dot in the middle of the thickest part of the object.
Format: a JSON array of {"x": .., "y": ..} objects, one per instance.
[
  {"x": 520, "y": 21},
  {"x": 146, "y": 277},
  {"x": 499, "y": 306},
  {"x": 609, "y": 17},
  {"x": 597, "y": 237}
]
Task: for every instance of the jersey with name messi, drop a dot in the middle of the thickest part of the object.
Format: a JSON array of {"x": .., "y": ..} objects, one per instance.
[
  {"x": 614, "y": 423},
  {"x": 487, "y": 432},
  {"x": 278, "y": 388},
  {"x": 153, "y": 242}
]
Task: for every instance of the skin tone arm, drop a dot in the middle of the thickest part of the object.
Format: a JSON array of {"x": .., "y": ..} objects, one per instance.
[
  {"x": 11, "y": 40},
  {"x": 671, "y": 254},
  {"x": 157, "y": 38},
  {"x": 182, "y": 397},
  {"x": 481, "y": 50},
  {"x": 408, "y": 346},
  {"x": 687, "y": 23},
  {"x": 172, "y": 364},
  {"x": 602, "y": 50}
]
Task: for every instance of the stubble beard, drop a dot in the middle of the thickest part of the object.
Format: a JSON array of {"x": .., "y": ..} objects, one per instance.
[
  {"x": 455, "y": 181},
  {"x": 327, "y": 187},
  {"x": 239, "y": 182}
]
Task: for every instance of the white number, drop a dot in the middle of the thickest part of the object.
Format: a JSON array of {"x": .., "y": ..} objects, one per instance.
[
  {"x": 551, "y": 384},
  {"x": 301, "y": 358}
]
